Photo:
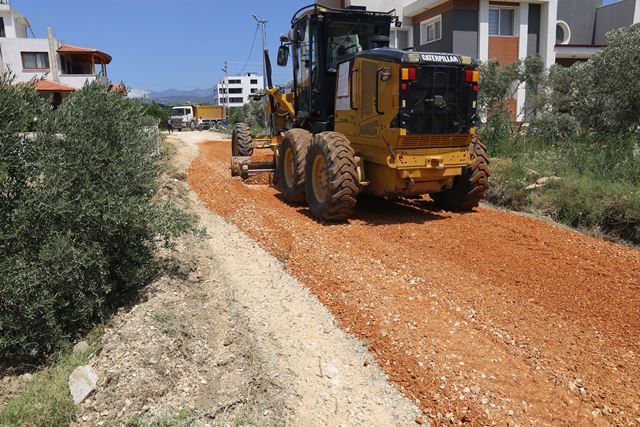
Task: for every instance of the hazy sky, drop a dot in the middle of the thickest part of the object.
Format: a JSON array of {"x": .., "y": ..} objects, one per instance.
[{"x": 161, "y": 44}]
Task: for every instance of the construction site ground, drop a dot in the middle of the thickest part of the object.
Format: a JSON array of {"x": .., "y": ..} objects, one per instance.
[
  {"x": 489, "y": 317},
  {"x": 403, "y": 315}
]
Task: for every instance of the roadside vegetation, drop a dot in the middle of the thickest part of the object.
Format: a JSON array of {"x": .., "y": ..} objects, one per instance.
[
  {"x": 45, "y": 400},
  {"x": 80, "y": 217},
  {"x": 251, "y": 113},
  {"x": 578, "y": 160},
  {"x": 159, "y": 111}
]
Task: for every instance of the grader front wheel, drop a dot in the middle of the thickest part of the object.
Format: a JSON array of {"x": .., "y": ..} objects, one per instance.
[
  {"x": 241, "y": 142},
  {"x": 291, "y": 164},
  {"x": 331, "y": 177},
  {"x": 469, "y": 188}
]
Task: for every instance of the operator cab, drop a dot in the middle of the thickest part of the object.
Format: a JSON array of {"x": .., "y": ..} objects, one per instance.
[{"x": 320, "y": 37}]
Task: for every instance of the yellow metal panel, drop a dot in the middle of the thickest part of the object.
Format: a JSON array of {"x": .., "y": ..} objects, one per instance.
[
  {"x": 435, "y": 159},
  {"x": 208, "y": 112}
]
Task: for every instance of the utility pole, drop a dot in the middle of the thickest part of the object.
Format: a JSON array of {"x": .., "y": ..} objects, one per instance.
[
  {"x": 225, "y": 89},
  {"x": 264, "y": 68}
]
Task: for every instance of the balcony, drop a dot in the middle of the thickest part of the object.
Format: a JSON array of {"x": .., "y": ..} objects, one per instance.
[{"x": 79, "y": 65}]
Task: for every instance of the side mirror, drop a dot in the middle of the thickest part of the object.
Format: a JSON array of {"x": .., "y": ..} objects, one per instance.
[{"x": 283, "y": 55}]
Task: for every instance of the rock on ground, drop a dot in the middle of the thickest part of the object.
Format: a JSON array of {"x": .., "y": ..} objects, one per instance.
[{"x": 82, "y": 382}]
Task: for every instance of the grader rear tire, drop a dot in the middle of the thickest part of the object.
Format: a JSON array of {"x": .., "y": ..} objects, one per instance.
[
  {"x": 331, "y": 177},
  {"x": 291, "y": 164},
  {"x": 469, "y": 188},
  {"x": 241, "y": 142}
]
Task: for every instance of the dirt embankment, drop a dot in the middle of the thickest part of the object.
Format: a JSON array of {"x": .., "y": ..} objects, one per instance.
[
  {"x": 488, "y": 317},
  {"x": 231, "y": 338}
]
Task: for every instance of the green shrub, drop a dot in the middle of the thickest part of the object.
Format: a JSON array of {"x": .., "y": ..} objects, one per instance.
[
  {"x": 584, "y": 127},
  {"x": 160, "y": 112},
  {"x": 606, "y": 90},
  {"x": 81, "y": 224},
  {"x": 251, "y": 113}
]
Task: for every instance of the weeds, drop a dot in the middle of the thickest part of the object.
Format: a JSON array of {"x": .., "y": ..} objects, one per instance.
[
  {"x": 599, "y": 189},
  {"x": 46, "y": 400}
]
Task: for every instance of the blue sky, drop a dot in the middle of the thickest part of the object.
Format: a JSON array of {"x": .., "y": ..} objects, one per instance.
[{"x": 162, "y": 44}]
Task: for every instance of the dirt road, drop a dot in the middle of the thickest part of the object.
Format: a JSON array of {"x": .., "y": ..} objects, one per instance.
[
  {"x": 231, "y": 338},
  {"x": 487, "y": 318}
]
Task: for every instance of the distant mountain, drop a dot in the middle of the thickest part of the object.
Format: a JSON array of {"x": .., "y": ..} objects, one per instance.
[{"x": 176, "y": 96}]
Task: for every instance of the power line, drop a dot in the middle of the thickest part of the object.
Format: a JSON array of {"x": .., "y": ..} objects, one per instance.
[{"x": 253, "y": 45}]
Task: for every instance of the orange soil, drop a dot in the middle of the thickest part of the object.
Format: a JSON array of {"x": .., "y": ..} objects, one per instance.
[{"x": 486, "y": 318}]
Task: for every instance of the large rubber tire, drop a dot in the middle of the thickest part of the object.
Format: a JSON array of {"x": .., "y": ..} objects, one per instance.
[
  {"x": 331, "y": 177},
  {"x": 241, "y": 142},
  {"x": 469, "y": 188},
  {"x": 292, "y": 156}
]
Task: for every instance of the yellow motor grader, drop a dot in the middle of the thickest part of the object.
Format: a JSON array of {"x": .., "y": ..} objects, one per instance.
[{"x": 363, "y": 117}]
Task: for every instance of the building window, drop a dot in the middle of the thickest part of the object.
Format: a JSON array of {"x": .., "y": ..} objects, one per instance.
[
  {"x": 254, "y": 90},
  {"x": 563, "y": 33},
  {"x": 431, "y": 30},
  {"x": 234, "y": 82},
  {"x": 235, "y": 90},
  {"x": 254, "y": 81},
  {"x": 501, "y": 20},
  {"x": 35, "y": 60},
  {"x": 399, "y": 39},
  {"x": 2, "y": 33},
  {"x": 236, "y": 100}
]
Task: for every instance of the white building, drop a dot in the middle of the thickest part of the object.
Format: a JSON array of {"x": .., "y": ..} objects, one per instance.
[
  {"x": 240, "y": 88},
  {"x": 60, "y": 68}
]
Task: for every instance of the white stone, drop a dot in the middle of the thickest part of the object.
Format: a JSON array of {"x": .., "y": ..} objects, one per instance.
[{"x": 82, "y": 382}]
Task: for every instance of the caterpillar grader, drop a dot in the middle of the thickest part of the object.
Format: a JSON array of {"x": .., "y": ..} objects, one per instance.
[{"x": 364, "y": 117}]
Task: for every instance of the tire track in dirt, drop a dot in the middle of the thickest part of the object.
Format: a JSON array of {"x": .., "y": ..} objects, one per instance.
[{"x": 487, "y": 317}]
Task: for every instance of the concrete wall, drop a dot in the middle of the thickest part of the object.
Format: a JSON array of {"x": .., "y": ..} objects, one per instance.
[
  {"x": 580, "y": 15},
  {"x": 76, "y": 80},
  {"x": 11, "y": 49},
  {"x": 443, "y": 45},
  {"x": 465, "y": 32},
  {"x": 9, "y": 28},
  {"x": 13, "y": 27},
  {"x": 611, "y": 17}
]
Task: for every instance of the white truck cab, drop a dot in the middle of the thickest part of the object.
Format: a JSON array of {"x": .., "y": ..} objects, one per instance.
[{"x": 182, "y": 117}]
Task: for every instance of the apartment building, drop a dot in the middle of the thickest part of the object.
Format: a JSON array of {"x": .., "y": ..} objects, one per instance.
[
  {"x": 59, "y": 68},
  {"x": 238, "y": 89},
  {"x": 560, "y": 31}
]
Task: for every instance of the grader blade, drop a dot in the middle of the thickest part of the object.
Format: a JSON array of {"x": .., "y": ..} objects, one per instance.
[{"x": 247, "y": 166}]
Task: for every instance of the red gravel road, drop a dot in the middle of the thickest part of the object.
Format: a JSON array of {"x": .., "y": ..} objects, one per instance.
[{"x": 485, "y": 318}]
